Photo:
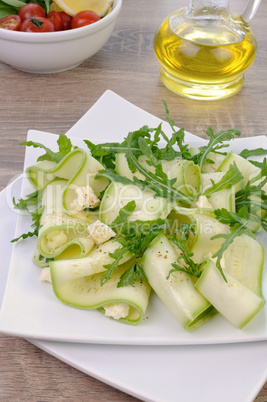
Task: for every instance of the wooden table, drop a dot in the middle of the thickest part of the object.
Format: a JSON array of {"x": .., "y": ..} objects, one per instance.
[{"x": 53, "y": 103}]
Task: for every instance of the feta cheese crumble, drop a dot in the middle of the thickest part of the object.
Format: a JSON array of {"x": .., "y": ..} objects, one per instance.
[
  {"x": 45, "y": 275},
  {"x": 56, "y": 238},
  {"x": 85, "y": 198},
  {"x": 117, "y": 310},
  {"x": 100, "y": 232}
]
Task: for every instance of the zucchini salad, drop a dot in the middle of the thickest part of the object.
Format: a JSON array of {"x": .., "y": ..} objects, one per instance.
[{"x": 118, "y": 221}]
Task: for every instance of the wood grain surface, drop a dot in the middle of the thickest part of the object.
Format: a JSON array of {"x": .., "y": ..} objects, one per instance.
[{"x": 53, "y": 103}]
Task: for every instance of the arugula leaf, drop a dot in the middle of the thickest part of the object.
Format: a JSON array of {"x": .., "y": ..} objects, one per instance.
[
  {"x": 230, "y": 178},
  {"x": 242, "y": 217},
  {"x": 253, "y": 199},
  {"x": 36, "y": 216},
  {"x": 184, "y": 263},
  {"x": 168, "y": 152},
  {"x": 117, "y": 255},
  {"x": 139, "y": 143},
  {"x": 64, "y": 144},
  {"x": 158, "y": 181},
  {"x": 177, "y": 136},
  {"x": 216, "y": 141},
  {"x": 153, "y": 161},
  {"x": 239, "y": 223},
  {"x": 132, "y": 274},
  {"x": 123, "y": 216},
  {"x": 246, "y": 153},
  {"x": 136, "y": 237},
  {"x": 161, "y": 188},
  {"x": 105, "y": 153},
  {"x": 25, "y": 236},
  {"x": 257, "y": 164},
  {"x": 113, "y": 176},
  {"x": 31, "y": 199},
  {"x": 146, "y": 150},
  {"x": 143, "y": 230}
]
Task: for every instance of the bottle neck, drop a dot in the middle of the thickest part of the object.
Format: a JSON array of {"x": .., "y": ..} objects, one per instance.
[
  {"x": 207, "y": 22},
  {"x": 209, "y": 9}
]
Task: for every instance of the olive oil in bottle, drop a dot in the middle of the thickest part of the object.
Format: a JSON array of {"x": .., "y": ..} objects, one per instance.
[{"x": 203, "y": 60}]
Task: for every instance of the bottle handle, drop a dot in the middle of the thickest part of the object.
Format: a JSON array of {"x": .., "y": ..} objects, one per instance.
[{"x": 250, "y": 10}]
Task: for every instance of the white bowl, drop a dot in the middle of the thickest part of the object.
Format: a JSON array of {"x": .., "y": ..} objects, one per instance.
[{"x": 52, "y": 52}]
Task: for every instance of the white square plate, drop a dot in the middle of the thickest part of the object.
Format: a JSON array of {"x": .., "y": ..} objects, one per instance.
[
  {"x": 30, "y": 308},
  {"x": 235, "y": 371},
  {"x": 165, "y": 374}
]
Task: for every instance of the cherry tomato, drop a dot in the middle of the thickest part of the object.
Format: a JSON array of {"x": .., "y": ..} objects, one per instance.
[
  {"x": 11, "y": 22},
  {"x": 56, "y": 18},
  {"x": 66, "y": 18},
  {"x": 37, "y": 24},
  {"x": 84, "y": 18},
  {"x": 31, "y": 10}
]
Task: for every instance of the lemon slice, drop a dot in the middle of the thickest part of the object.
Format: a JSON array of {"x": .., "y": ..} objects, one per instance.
[
  {"x": 72, "y": 7},
  {"x": 54, "y": 7}
]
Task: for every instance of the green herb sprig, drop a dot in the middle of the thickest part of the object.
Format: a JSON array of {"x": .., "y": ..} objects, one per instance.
[
  {"x": 33, "y": 199},
  {"x": 135, "y": 237},
  {"x": 216, "y": 142},
  {"x": 184, "y": 263},
  {"x": 239, "y": 223},
  {"x": 36, "y": 216},
  {"x": 64, "y": 144},
  {"x": 253, "y": 197},
  {"x": 156, "y": 181},
  {"x": 229, "y": 179}
]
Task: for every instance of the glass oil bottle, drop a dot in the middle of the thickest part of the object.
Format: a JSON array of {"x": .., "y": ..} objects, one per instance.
[{"x": 204, "y": 50}]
